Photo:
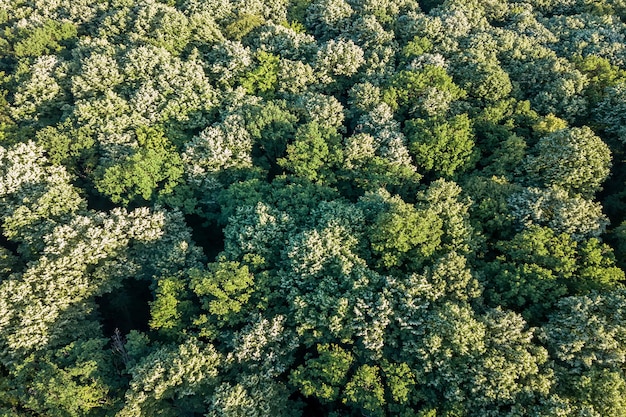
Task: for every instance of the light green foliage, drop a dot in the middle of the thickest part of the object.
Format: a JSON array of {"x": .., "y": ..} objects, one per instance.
[
  {"x": 254, "y": 396},
  {"x": 322, "y": 109},
  {"x": 589, "y": 32},
  {"x": 405, "y": 236},
  {"x": 34, "y": 196},
  {"x": 365, "y": 391},
  {"x": 588, "y": 331},
  {"x": 539, "y": 266},
  {"x": 67, "y": 147},
  {"x": 510, "y": 370},
  {"x": 327, "y": 18},
  {"x": 266, "y": 346},
  {"x": 400, "y": 381},
  {"x": 171, "y": 377},
  {"x": 586, "y": 337},
  {"x": 263, "y": 79},
  {"x": 227, "y": 61},
  {"x": 161, "y": 25},
  {"x": 74, "y": 255},
  {"x": 44, "y": 39},
  {"x": 554, "y": 208},
  {"x": 40, "y": 96},
  {"x": 416, "y": 47},
  {"x": 256, "y": 234},
  {"x": 73, "y": 380},
  {"x": 171, "y": 308},
  {"x": 574, "y": 159},
  {"x": 332, "y": 293},
  {"x": 294, "y": 76},
  {"x": 549, "y": 124},
  {"x": 389, "y": 143},
  {"x": 314, "y": 153},
  {"x": 444, "y": 199},
  {"x": 601, "y": 75},
  {"x": 224, "y": 289},
  {"x": 153, "y": 170},
  {"x": 441, "y": 146},
  {"x": 426, "y": 92},
  {"x": 324, "y": 375},
  {"x": 338, "y": 58},
  {"x": 401, "y": 205}
]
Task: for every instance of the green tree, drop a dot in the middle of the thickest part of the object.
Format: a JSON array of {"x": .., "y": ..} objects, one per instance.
[
  {"x": 314, "y": 154},
  {"x": 443, "y": 147},
  {"x": 574, "y": 159},
  {"x": 538, "y": 267},
  {"x": 152, "y": 171},
  {"x": 172, "y": 380},
  {"x": 365, "y": 390},
  {"x": 405, "y": 236},
  {"x": 263, "y": 79},
  {"x": 224, "y": 289},
  {"x": 586, "y": 339},
  {"x": 325, "y": 374},
  {"x": 49, "y": 37},
  {"x": 426, "y": 92}
]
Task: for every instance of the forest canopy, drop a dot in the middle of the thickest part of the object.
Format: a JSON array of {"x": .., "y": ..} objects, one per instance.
[{"x": 292, "y": 208}]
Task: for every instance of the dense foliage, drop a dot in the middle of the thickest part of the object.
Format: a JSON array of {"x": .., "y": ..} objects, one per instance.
[{"x": 312, "y": 207}]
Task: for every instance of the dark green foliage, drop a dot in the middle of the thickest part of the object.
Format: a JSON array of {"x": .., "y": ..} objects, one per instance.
[
  {"x": 272, "y": 126},
  {"x": 242, "y": 25},
  {"x": 405, "y": 236}
]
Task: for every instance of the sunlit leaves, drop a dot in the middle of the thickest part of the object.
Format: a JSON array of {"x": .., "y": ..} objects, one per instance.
[
  {"x": 442, "y": 146},
  {"x": 224, "y": 289},
  {"x": 153, "y": 170},
  {"x": 324, "y": 375},
  {"x": 574, "y": 159}
]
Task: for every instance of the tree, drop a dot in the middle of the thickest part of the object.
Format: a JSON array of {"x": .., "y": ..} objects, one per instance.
[
  {"x": 554, "y": 208},
  {"x": 43, "y": 39},
  {"x": 172, "y": 379},
  {"x": 574, "y": 159},
  {"x": 585, "y": 338},
  {"x": 365, "y": 390},
  {"x": 263, "y": 79},
  {"x": 223, "y": 289},
  {"x": 405, "y": 236},
  {"x": 152, "y": 171},
  {"x": 426, "y": 92},
  {"x": 444, "y": 147},
  {"x": 610, "y": 113},
  {"x": 314, "y": 154},
  {"x": 538, "y": 267},
  {"x": 324, "y": 375}
]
